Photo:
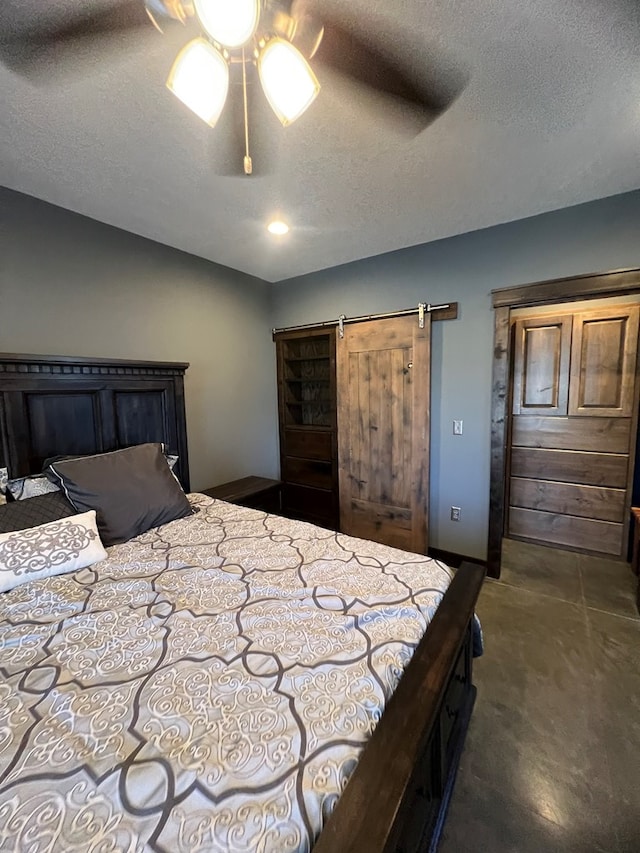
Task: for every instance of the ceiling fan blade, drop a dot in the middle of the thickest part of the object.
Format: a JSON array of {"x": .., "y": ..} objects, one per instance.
[
  {"x": 420, "y": 93},
  {"x": 347, "y": 54},
  {"x": 39, "y": 47},
  {"x": 119, "y": 17}
]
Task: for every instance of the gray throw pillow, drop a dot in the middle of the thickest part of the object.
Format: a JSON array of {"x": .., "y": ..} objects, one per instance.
[
  {"x": 32, "y": 512},
  {"x": 132, "y": 490},
  {"x": 51, "y": 460}
]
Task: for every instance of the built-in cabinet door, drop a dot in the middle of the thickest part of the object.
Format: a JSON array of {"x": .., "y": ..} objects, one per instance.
[
  {"x": 571, "y": 432},
  {"x": 383, "y": 373},
  {"x": 603, "y": 362},
  {"x": 541, "y": 370}
]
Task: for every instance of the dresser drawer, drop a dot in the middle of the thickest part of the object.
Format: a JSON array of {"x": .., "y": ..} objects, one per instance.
[
  {"x": 308, "y": 472},
  {"x": 308, "y": 444},
  {"x": 571, "y": 466}
]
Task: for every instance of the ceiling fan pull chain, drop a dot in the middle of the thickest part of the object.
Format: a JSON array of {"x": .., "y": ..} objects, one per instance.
[{"x": 248, "y": 164}]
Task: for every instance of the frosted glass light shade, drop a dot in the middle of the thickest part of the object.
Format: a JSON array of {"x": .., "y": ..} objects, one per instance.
[
  {"x": 162, "y": 10},
  {"x": 287, "y": 79},
  {"x": 229, "y": 22},
  {"x": 200, "y": 79}
]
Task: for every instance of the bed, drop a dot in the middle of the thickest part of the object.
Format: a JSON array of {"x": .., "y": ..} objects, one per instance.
[{"x": 218, "y": 683}]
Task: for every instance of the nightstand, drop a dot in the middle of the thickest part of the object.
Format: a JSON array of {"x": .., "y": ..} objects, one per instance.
[{"x": 256, "y": 492}]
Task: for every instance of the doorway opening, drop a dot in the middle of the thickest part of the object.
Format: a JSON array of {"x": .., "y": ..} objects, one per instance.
[{"x": 564, "y": 415}]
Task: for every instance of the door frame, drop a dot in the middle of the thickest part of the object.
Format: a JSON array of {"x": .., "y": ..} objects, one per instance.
[{"x": 504, "y": 300}]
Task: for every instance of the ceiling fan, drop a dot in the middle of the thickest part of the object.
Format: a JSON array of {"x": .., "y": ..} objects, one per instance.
[{"x": 279, "y": 40}]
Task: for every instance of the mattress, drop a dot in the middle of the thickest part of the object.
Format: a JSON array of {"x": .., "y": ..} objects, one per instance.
[{"x": 207, "y": 687}]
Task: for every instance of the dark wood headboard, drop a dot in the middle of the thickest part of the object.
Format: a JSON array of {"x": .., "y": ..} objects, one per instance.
[{"x": 57, "y": 405}]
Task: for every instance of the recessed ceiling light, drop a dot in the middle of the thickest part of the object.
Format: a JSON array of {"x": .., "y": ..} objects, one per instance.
[{"x": 278, "y": 227}]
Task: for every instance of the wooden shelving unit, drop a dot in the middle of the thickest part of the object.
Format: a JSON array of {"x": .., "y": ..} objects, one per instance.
[{"x": 307, "y": 408}]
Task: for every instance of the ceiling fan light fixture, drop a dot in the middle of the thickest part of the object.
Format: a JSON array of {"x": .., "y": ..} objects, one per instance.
[
  {"x": 288, "y": 82},
  {"x": 160, "y": 11},
  {"x": 200, "y": 79},
  {"x": 231, "y": 23},
  {"x": 307, "y": 35}
]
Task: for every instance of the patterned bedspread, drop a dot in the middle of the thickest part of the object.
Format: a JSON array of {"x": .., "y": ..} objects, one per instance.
[{"x": 208, "y": 687}]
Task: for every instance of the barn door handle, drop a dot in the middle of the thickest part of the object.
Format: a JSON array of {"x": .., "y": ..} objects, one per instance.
[{"x": 410, "y": 365}]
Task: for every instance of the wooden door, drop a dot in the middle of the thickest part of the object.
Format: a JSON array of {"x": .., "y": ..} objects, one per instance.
[
  {"x": 571, "y": 447},
  {"x": 383, "y": 381}
]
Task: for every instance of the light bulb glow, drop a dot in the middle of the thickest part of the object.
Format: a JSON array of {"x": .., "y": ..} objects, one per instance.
[
  {"x": 229, "y": 22},
  {"x": 200, "y": 79},
  {"x": 278, "y": 227},
  {"x": 287, "y": 79}
]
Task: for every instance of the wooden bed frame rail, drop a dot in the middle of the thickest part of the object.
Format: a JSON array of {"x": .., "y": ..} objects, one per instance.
[{"x": 398, "y": 795}]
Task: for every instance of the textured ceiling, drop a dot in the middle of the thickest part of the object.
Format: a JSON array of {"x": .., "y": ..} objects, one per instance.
[{"x": 549, "y": 117}]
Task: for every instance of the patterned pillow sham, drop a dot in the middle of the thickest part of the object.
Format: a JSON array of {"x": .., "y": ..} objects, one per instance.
[
  {"x": 19, "y": 515},
  {"x": 49, "y": 549},
  {"x": 4, "y": 479},
  {"x": 23, "y": 488}
]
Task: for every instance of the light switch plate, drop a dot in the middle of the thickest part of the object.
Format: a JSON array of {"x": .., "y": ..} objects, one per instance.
[{"x": 457, "y": 427}]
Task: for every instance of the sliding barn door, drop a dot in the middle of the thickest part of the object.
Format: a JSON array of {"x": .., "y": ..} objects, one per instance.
[
  {"x": 383, "y": 378},
  {"x": 573, "y": 430}
]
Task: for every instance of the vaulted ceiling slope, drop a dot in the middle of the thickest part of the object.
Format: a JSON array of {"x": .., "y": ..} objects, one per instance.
[{"x": 547, "y": 116}]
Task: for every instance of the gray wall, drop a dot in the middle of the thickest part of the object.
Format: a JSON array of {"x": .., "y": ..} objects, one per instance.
[
  {"x": 599, "y": 236},
  {"x": 72, "y": 286}
]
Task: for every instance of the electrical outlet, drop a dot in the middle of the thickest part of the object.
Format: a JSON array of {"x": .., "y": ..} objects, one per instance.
[
  {"x": 457, "y": 427},
  {"x": 455, "y": 513}
]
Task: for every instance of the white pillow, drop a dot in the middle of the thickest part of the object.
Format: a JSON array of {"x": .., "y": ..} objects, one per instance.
[
  {"x": 4, "y": 479},
  {"x": 49, "y": 549}
]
